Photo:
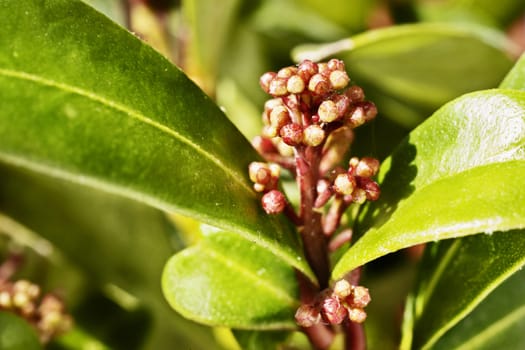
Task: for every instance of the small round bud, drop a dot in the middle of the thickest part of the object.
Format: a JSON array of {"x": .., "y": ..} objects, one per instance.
[
  {"x": 307, "y": 315},
  {"x": 265, "y": 81},
  {"x": 295, "y": 84},
  {"x": 357, "y": 315},
  {"x": 324, "y": 193},
  {"x": 277, "y": 87},
  {"x": 359, "y": 196},
  {"x": 344, "y": 184},
  {"x": 286, "y": 72},
  {"x": 5, "y": 300},
  {"x": 367, "y": 167},
  {"x": 355, "y": 93},
  {"x": 342, "y": 102},
  {"x": 324, "y": 69},
  {"x": 307, "y": 69},
  {"x": 339, "y": 79},
  {"x": 273, "y": 202},
  {"x": 314, "y": 135},
  {"x": 343, "y": 288},
  {"x": 292, "y": 134},
  {"x": 275, "y": 170},
  {"x": 327, "y": 111},
  {"x": 259, "y": 173},
  {"x": 21, "y": 300},
  {"x": 372, "y": 190},
  {"x": 269, "y": 131},
  {"x": 362, "y": 113},
  {"x": 360, "y": 297},
  {"x": 319, "y": 84},
  {"x": 333, "y": 311},
  {"x": 279, "y": 117},
  {"x": 335, "y": 64}
]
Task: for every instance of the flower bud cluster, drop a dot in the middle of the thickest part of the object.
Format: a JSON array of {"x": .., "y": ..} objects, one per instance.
[
  {"x": 309, "y": 101},
  {"x": 354, "y": 185},
  {"x": 46, "y": 314},
  {"x": 333, "y": 306},
  {"x": 265, "y": 177}
]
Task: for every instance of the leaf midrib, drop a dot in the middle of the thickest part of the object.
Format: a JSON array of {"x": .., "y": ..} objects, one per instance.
[
  {"x": 129, "y": 112},
  {"x": 249, "y": 274}
]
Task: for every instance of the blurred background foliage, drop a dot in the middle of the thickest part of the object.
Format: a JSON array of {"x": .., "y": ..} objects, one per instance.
[{"x": 105, "y": 254}]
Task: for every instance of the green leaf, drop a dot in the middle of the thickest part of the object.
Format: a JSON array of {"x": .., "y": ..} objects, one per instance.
[
  {"x": 112, "y": 241},
  {"x": 459, "y": 173},
  {"x": 411, "y": 70},
  {"x": 497, "y": 323},
  {"x": 515, "y": 79},
  {"x": 456, "y": 275},
  {"x": 84, "y": 100},
  {"x": 256, "y": 340},
  {"x": 488, "y": 12},
  {"x": 226, "y": 280},
  {"x": 16, "y": 333}
]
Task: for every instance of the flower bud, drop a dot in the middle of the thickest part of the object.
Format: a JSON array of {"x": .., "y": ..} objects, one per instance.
[
  {"x": 324, "y": 193},
  {"x": 359, "y": 196},
  {"x": 279, "y": 117},
  {"x": 292, "y": 134},
  {"x": 344, "y": 184},
  {"x": 324, "y": 69},
  {"x": 339, "y": 79},
  {"x": 327, "y": 111},
  {"x": 342, "y": 102},
  {"x": 263, "y": 145},
  {"x": 307, "y": 69},
  {"x": 286, "y": 72},
  {"x": 314, "y": 135},
  {"x": 355, "y": 93},
  {"x": 277, "y": 87},
  {"x": 265, "y": 81},
  {"x": 307, "y": 315},
  {"x": 372, "y": 190},
  {"x": 259, "y": 173},
  {"x": 335, "y": 64},
  {"x": 319, "y": 85},
  {"x": 273, "y": 202},
  {"x": 343, "y": 288},
  {"x": 333, "y": 311},
  {"x": 367, "y": 167},
  {"x": 360, "y": 297},
  {"x": 295, "y": 84},
  {"x": 357, "y": 315}
]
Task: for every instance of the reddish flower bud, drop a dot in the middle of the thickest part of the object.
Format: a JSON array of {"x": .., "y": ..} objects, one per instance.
[
  {"x": 314, "y": 135},
  {"x": 295, "y": 84},
  {"x": 277, "y": 87},
  {"x": 324, "y": 70},
  {"x": 327, "y": 111},
  {"x": 342, "y": 102},
  {"x": 286, "y": 72},
  {"x": 372, "y": 190},
  {"x": 343, "y": 288},
  {"x": 367, "y": 167},
  {"x": 324, "y": 193},
  {"x": 265, "y": 81},
  {"x": 292, "y": 134},
  {"x": 344, "y": 184},
  {"x": 357, "y": 315},
  {"x": 355, "y": 93},
  {"x": 279, "y": 117},
  {"x": 263, "y": 145},
  {"x": 332, "y": 311},
  {"x": 307, "y": 315},
  {"x": 336, "y": 65},
  {"x": 359, "y": 298},
  {"x": 319, "y": 84},
  {"x": 273, "y": 202},
  {"x": 339, "y": 79},
  {"x": 307, "y": 69}
]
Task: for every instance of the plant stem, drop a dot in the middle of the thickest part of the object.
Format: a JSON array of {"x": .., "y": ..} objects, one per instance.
[
  {"x": 314, "y": 240},
  {"x": 354, "y": 336}
]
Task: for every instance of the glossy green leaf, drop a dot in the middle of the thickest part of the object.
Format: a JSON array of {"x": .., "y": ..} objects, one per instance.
[
  {"x": 411, "y": 70},
  {"x": 257, "y": 340},
  {"x": 456, "y": 275},
  {"x": 459, "y": 173},
  {"x": 226, "y": 280},
  {"x": 86, "y": 101},
  {"x": 111, "y": 240},
  {"x": 497, "y": 323},
  {"x": 17, "y": 334},
  {"x": 515, "y": 79},
  {"x": 488, "y": 12}
]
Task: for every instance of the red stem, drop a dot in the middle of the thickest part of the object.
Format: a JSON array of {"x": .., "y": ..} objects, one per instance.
[
  {"x": 354, "y": 336},
  {"x": 314, "y": 240}
]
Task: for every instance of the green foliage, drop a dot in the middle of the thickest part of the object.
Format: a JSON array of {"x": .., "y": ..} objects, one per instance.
[{"x": 102, "y": 139}]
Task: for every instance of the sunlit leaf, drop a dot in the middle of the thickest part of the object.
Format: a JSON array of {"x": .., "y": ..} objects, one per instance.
[
  {"x": 473, "y": 184},
  {"x": 17, "y": 334},
  {"x": 84, "y": 100},
  {"x": 226, "y": 280},
  {"x": 456, "y": 276}
]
